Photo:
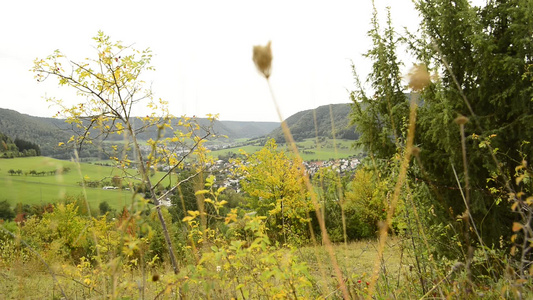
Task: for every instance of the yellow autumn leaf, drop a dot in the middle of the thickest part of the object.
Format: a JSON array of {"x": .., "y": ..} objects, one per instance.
[
  {"x": 193, "y": 213},
  {"x": 517, "y": 226},
  {"x": 187, "y": 219}
]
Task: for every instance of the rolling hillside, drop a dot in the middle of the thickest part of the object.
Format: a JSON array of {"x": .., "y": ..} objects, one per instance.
[
  {"x": 48, "y": 132},
  {"x": 318, "y": 123}
]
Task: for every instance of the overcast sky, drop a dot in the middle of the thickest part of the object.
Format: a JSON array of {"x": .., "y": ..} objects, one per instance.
[{"x": 202, "y": 50}]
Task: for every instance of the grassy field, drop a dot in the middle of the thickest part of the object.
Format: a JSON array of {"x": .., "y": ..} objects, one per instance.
[
  {"x": 309, "y": 150},
  {"x": 327, "y": 149},
  {"x": 356, "y": 261},
  {"x": 30, "y": 189}
]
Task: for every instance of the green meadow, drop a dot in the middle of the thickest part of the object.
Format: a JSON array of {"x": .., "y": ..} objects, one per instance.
[{"x": 31, "y": 189}]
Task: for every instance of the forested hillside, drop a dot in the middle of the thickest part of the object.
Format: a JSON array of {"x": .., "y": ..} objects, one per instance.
[
  {"x": 10, "y": 148},
  {"x": 7, "y": 146},
  {"x": 230, "y": 129},
  {"x": 318, "y": 122},
  {"x": 45, "y": 132},
  {"x": 49, "y": 132}
]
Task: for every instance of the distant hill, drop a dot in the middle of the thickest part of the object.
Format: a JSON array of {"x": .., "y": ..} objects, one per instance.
[
  {"x": 48, "y": 132},
  {"x": 303, "y": 125},
  {"x": 232, "y": 129},
  {"x": 238, "y": 129},
  {"x": 45, "y": 132}
]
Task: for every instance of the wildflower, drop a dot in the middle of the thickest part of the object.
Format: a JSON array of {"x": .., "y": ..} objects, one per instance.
[
  {"x": 219, "y": 268},
  {"x": 263, "y": 59}
]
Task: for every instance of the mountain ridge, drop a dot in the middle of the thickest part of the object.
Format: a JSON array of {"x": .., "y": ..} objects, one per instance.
[
  {"x": 319, "y": 121},
  {"x": 49, "y": 132}
]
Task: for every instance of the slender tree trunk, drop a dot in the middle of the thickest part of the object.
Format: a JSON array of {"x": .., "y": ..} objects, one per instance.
[
  {"x": 148, "y": 183},
  {"x": 470, "y": 249},
  {"x": 283, "y": 224}
]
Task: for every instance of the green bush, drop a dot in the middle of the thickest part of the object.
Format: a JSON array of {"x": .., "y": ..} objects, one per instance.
[
  {"x": 6, "y": 213},
  {"x": 366, "y": 203},
  {"x": 104, "y": 208},
  {"x": 62, "y": 232}
]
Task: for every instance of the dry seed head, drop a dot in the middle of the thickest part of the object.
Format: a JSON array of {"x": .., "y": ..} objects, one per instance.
[
  {"x": 418, "y": 77},
  {"x": 263, "y": 59},
  {"x": 461, "y": 120}
]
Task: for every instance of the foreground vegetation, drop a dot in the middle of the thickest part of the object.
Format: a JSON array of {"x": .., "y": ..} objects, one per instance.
[
  {"x": 124, "y": 264},
  {"x": 70, "y": 255}
]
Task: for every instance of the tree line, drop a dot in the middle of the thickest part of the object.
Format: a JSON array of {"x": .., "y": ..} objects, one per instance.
[{"x": 17, "y": 148}]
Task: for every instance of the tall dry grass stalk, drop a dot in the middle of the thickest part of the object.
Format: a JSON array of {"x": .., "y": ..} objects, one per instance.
[
  {"x": 461, "y": 121},
  {"x": 418, "y": 79},
  {"x": 76, "y": 160},
  {"x": 384, "y": 228},
  {"x": 262, "y": 57},
  {"x": 338, "y": 177}
]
